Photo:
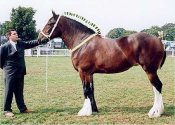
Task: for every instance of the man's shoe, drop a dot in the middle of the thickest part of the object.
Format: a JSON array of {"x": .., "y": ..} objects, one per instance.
[
  {"x": 27, "y": 111},
  {"x": 8, "y": 114}
]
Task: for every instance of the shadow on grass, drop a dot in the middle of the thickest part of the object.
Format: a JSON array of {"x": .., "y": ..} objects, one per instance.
[
  {"x": 169, "y": 110},
  {"x": 58, "y": 110},
  {"x": 125, "y": 109}
]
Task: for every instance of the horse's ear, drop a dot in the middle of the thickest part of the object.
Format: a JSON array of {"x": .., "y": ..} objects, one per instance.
[{"x": 54, "y": 14}]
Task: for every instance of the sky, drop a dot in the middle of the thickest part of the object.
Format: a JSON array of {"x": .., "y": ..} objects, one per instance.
[{"x": 106, "y": 14}]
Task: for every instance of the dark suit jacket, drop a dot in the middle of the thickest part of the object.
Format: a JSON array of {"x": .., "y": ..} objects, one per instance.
[{"x": 12, "y": 61}]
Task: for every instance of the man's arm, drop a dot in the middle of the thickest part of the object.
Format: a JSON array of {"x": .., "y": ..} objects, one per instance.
[{"x": 31, "y": 44}]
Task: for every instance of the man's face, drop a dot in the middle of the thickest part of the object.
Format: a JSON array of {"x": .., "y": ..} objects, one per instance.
[{"x": 13, "y": 36}]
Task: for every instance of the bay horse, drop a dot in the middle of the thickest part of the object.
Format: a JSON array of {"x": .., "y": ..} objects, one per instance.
[{"x": 91, "y": 53}]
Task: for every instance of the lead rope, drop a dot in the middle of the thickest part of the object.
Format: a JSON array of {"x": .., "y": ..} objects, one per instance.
[
  {"x": 48, "y": 37},
  {"x": 47, "y": 69}
]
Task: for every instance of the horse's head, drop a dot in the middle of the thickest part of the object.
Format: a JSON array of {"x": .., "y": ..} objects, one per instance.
[{"x": 51, "y": 29}]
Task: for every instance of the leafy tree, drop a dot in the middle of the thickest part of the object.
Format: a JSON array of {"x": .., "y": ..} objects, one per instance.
[
  {"x": 4, "y": 27},
  {"x": 168, "y": 26},
  {"x": 116, "y": 32},
  {"x": 169, "y": 34},
  {"x": 169, "y": 31},
  {"x": 22, "y": 21},
  {"x": 128, "y": 32},
  {"x": 153, "y": 30},
  {"x": 119, "y": 32}
]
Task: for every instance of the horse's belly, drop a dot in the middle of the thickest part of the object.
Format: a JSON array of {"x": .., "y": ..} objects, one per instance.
[{"x": 113, "y": 67}]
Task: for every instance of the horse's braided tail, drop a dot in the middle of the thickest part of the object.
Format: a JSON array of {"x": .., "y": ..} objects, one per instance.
[{"x": 163, "y": 60}]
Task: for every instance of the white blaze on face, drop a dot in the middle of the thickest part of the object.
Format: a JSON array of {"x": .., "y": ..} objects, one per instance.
[
  {"x": 158, "y": 107},
  {"x": 86, "y": 109}
]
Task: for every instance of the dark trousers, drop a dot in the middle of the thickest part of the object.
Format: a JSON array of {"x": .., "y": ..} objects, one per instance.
[{"x": 14, "y": 85}]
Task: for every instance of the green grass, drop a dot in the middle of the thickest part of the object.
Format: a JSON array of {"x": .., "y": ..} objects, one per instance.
[{"x": 123, "y": 98}]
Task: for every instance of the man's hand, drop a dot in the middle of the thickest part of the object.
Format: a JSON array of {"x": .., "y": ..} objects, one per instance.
[{"x": 43, "y": 41}]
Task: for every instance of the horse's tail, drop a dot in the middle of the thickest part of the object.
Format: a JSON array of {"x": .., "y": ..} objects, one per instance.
[{"x": 163, "y": 60}]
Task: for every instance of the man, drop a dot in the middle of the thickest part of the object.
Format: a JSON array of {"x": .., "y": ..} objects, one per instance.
[{"x": 13, "y": 64}]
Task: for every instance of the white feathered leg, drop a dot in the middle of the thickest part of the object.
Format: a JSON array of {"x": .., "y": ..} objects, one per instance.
[
  {"x": 86, "y": 109},
  {"x": 158, "y": 107}
]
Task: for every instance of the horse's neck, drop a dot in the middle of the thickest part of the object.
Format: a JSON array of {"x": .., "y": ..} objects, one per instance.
[
  {"x": 71, "y": 36},
  {"x": 73, "y": 39}
]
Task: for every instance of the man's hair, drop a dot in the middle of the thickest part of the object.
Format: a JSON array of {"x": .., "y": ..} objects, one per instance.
[{"x": 9, "y": 33}]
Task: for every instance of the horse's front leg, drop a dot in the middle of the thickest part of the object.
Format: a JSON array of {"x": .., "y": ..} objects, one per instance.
[
  {"x": 88, "y": 89},
  {"x": 91, "y": 96}
]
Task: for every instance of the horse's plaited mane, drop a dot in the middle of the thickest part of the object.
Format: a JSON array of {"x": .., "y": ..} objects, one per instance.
[{"x": 83, "y": 21}]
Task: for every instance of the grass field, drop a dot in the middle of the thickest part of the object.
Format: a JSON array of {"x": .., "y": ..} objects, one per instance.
[{"x": 123, "y": 98}]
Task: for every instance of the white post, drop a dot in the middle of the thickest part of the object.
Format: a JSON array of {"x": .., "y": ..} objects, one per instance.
[{"x": 38, "y": 51}]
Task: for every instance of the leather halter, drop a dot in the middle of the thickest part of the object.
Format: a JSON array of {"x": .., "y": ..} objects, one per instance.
[{"x": 50, "y": 34}]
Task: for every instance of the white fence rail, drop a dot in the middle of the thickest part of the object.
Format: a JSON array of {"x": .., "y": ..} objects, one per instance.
[
  {"x": 170, "y": 53},
  {"x": 47, "y": 52},
  {"x": 65, "y": 52}
]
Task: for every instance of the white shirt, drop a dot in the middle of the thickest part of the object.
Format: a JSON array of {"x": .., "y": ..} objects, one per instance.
[{"x": 13, "y": 44}]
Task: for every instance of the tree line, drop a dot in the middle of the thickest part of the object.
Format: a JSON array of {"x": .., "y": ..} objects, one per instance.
[
  {"x": 168, "y": 31},
  {"x": 21, "y": 19}
]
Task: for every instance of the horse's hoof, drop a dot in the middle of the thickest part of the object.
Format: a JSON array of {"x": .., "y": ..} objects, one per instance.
[
  {"x": 155, "y": 112},
  {"x": 84, "y": 113}
]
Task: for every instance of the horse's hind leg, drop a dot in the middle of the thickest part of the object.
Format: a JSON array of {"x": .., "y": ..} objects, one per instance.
[
  {"x": 158, "y": 107},
  {"x": 88, "y": 89}
]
